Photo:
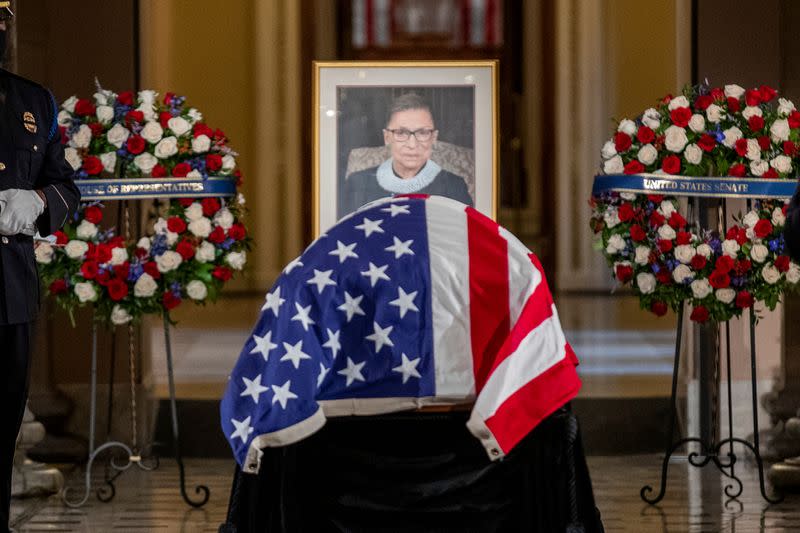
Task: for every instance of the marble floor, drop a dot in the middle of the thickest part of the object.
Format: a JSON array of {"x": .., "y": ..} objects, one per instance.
[{"x": 694, "y": 502}]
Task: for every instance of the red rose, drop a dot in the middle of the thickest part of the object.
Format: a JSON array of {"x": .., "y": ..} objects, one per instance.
[
  {"x": 58, "y": 286},
  {"x": 176, "y": 224},
  {"x": 93, "y": 214},
  {"x": 201, "y": 129},
  {"x": 633, "y": 167},
  {"x": 703, "y": 101},
  {"x": 97, "y": 129},
  {"x": 117, "y": 242},
  {"x": 663, "y": 276},
  {"x": 717, "y": 94},
  {"x": 789, "y": 148},
  {"x": 762, "y": 228},
  {"x": 151, "y": 268},
  {"x": 740, "y": 267},
  {"x": 699, "y": 314},
  {"x": 656, "y": 219},
  {"x": 764, "y": 142},
  {"x": 732, "y": 232},
  {"x": 752, "y": 97},
  {"x": 122, "y": 270},
  {"x": 733, "y": 104},
  {"x": 92, "y": 165},
  {"x": 737, "y": 170},
  {"x": 658, "y": 308},
  {"x": 683, "y": 237},
  {"x": 724, "y": 264},
  {"x": 680, "y": 116},
  {"x": 163, "y": 118},
  {"x": 125, "y": 98},
  {"x": 719, "y": 279},
  {"x": 770, "y": 174},
  {"x": 186, "y": 249},
  {"x": 665, "y": 245},
  {"x": 225, "y": 273},
  {"x": 158, "y": 171},
  {"x": 741, "y": 236},
  {"x": 133, "y": 116},
  {"x": 168, "y": 98},
  {"x": 755, "y": 123},
  {"x": 135, "y": 144},
  {"x": 170, "y": 301},
  {"x": 89, "y": 269},
  {"x": 237, "y": 232},
  {"x": 624, "y": 273},
  {"x": 637, "y": 233},
  {"x": 645, "y": 135},
  {"x": 102, "y": 253},
  {"x": 61, "y": 237},
  {"x": 707, "y": 142},
  {"x": 655, "y": 198},
  {"x": 210, "y": 206},
  {"x": 698, "y": 262},
  {"x": 782, "y": 263},
  {"x": 186, "y": 202},
  {"x": 625, "y": 212},
  {"x": 794, "y": 119},
  {"x": 217, "y": 235},
  {"x": 622, "y": 141},
  {"x": 676, "y": 220},
  {"x": 767, "y": 93},
  {"x": 213, "y": 162},
  {"x": 744, "y": 300},
  {"x": 84, "y": 108},
  {"x": 103, "y": 277},
  {"x": 671, "y": 164},
  {"x": 181, "y": 170},
  {"x": 741, "y": 147},
  {"x": 117, "y": 289},
  {"x": 219, "y": 135},
  {"x": 239, "y": 181},
  {"x": 63, "y": 131}
]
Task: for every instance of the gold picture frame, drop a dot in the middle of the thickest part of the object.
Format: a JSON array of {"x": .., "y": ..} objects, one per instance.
[{"x": 351, "y": 100}]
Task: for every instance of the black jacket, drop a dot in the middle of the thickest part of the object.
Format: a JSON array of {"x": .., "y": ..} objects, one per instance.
[
  {"x": 31, "y": 157},
  {"x": 791, "y": 231}
]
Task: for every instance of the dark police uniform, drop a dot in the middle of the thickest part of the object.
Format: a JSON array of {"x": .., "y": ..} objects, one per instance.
[{"x": 32, "y": 158}]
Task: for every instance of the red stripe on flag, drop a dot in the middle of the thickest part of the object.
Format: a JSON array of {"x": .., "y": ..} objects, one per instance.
[
  {"x": 412, "y": 195},
  {"x": 491, "y": 21},
  {"x": 369, "y": 19},
  {"x": 488, "y": 293},
  {"x": 534, "y": 402}
]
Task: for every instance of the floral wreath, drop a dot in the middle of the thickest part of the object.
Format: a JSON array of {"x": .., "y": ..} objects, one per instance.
[
  {"x": 196, "y": 244},
  {"x": 708, "y": 132}
]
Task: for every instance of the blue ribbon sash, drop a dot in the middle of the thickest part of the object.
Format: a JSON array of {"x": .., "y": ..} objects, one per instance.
[
  {"x": 146, "y": 188},
  {"x": 729, "y": 187}
]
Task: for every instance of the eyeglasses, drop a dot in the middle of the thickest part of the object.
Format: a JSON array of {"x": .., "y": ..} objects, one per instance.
[{"x": 402, "y": 134}]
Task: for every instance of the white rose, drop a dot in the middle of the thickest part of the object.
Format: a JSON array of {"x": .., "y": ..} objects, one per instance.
[
  {"x": 109, "y": 160},
  {"x": 148, "y": 111},
  {"x": 697, "y": 123},
  {"x": 785, "y": 107},
  {"x": 611, "y": 217},
  {"x": 759, "y": 253},
  {"x": 704, "y": 250},
  {"x": 85, "y": 291},
  {"x": 793, "y": 274},
  {"x": 778, "y": 218},
  {"x": 236, "y": 260},
  {"x": 120, "y": 316},
  {"x": 144, "y": 243},
  {"x": 117, "y": 135},
  {"x": 206, "y": 252},
  {"x": 681, "y": 273},
  {"x": 627, "y": 126},
  {"x": 160, "y": 226},
  {"x": 196, "y": 290},
  {"x": 693, "y": 154},
  {"x": 172, "y": 237},
  {"x": 195, "y": 115},
  {"x": 229, "y": 162},
  {"x": 147, "y": 96},
  {"x": 753, "y": 150},
  {"x": 779, "y": 131},
  {"x": 624, "y": 195},
  {"x": 82, "y": 137},
  {"x": 730, "y": 247},
  {"x": 69, "y": 104},
  {"x": 733, "y": 91},
  {"x": 105, "y": 114},
  {"x": 168, "y": 261},
  {"x": 646, "y": 282},
  {"x": 64, "y": 118},
  {"x": 179, "y": 125},
  {"x": 201, "y": 144},
  {"x": 86, "y": 230},
  {"x": 613, "y": 165},
  {"x": 680, "y": 101},
  {"x": 726, "y": 295},
  {"x": 751, "y": 219},
  {"x": 714, "y": 113},
  {"x": 782, "y": 164},
  {"x": 240, "y": 198},
  {"x": 152, "y": 132},
  {"x": 666, "y": 232},
  {"x": 615, "y": 244},
  {"x": 194, "y": 174},
  {"x": 666, "y": 208},
  {"x": 145, "y": 286},
  {"x": 194, "y": 211},
  {"x": 145, "y": 162},
  {"x": 701, "y": 288},
  {"x": 118, "y": 255},
  {"x": 757, "y": 168},
  {"x": 200, "y": 227},
  {"x": 167, "y": 147},
  {"x": 675, "y": 139},
  {"x": 770, "y": 274},
  {"x": 100, "y": 98},
  {"x": 642, "y": 255},
  {"x": 44, "y": 253},
  {"x": 750, "y": 233},
  {"x": 651, "y": 118},
  {"x": 72, "y": 157},
  {"x": 647, "y": 154},
  {"x": 684, "y": 253},
  {"x": 224, "y": 218},
  {"x": 75, "y": 249},
  {"x": 731, "y": 136},
  {"x": 751, "y": 111}
]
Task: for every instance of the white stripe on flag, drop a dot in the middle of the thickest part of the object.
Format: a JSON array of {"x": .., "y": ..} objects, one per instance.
[
  {"x": 542, "y": 348},
  {"x": 521, "y": 283},
  {"x": 452, "y": 338},
  {"x": 359, "y": 23},
  {"x": 381, "y": 18}
]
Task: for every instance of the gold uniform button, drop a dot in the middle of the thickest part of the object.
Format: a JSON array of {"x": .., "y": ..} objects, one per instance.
[
  {"x": 2, "y": 166},
  {"x": 35, "y": 148},
  {"x": 5, "y": 240}
]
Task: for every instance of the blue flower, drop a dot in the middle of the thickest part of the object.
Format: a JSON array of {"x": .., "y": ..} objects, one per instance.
[
  {"x": 227, "y": 243},
  {"x": 135, "y": 272}
]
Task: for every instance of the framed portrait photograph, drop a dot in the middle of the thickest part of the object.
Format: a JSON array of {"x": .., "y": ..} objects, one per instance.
[{"x": 383, "y": 128}]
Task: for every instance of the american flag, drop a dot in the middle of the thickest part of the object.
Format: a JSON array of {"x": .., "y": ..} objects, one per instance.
[{"x": 410, "y": 301}]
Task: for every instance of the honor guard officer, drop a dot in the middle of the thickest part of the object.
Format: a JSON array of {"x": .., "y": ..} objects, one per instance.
[{"x": 36, "y": 194}]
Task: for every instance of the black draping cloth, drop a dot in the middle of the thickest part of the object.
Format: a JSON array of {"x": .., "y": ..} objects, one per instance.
[{"x": 417, "y": 472}]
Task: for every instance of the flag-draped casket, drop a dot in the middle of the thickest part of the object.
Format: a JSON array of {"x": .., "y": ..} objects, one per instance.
[{"x": 410, "y": 301}]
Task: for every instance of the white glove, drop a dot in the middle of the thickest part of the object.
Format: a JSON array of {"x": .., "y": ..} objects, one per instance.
[{"x": 19, "y": 209}]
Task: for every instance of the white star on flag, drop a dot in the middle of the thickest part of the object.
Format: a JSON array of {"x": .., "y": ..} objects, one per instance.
[
  {"x": 294, "y": 353},
  {"x": 243, "y": 429},
  {"x": 321, "y": 279},
  {"x": 322, "y": 373},
  {"x": 291, "y": 266},
  {"x": 408, "y": 368},
  {"x": 333, "y": 342},
  {"x": 400, "y": 248},
  {"x": 352, "y": 372},
  {"x": 351, "y": 305},
  {"x": 273, "y": 301},
  {"x": 253, "y": 387},
  {"x": 264, "y": 345},
  {"x": 283, "y": 394},
  {"x": 405, "y": 301},
  {"x": 302, "y": 315},
  {"x": 343, "y": 251},
  {"x": 371, "y": 226},
  {"x": 380, "y": 336},
  {"x": 397, "y": 209},
  {"x": 375, "y": 273}
]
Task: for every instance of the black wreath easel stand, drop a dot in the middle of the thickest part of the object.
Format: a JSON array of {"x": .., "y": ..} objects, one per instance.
[{"x": 712, "y": 449}]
